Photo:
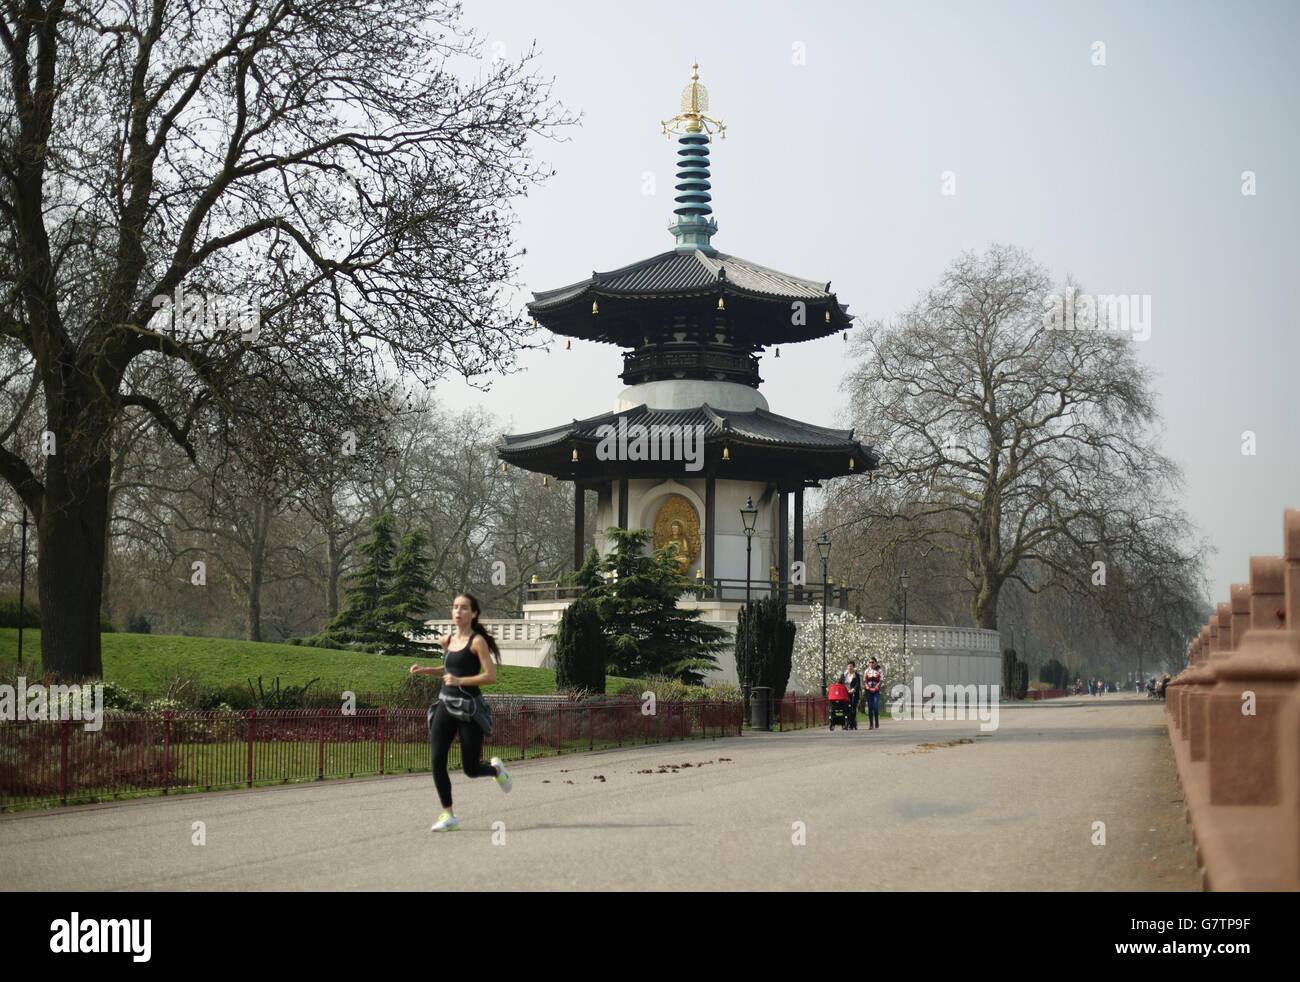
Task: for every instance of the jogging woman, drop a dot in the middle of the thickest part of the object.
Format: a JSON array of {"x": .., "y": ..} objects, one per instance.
[{"x": 467, "y": 664}]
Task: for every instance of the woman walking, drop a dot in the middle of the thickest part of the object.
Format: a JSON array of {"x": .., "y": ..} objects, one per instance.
[
  {"x": 853, "y": 682},
  {"x": 467, "y": 664},
  {"x": 875, "y": 680}
]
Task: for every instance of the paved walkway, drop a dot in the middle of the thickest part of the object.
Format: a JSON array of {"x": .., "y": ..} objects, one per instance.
[{"x": 1012, "y": 810}]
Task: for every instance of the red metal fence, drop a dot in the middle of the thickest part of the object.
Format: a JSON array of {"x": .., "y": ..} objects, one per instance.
[
  {"x": 48, "y": 762},
  {"x": 792, "y": 712}
]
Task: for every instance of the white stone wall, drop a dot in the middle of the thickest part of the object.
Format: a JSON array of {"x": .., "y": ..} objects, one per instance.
[
  {"x": 688, "y": 393},
  {"x": 943, "y": 655}
]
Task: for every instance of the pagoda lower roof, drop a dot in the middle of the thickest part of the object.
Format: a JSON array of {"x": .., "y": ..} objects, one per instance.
[
  {"x": 684, "y": 275},
  {"x": 759, "y": 444}
]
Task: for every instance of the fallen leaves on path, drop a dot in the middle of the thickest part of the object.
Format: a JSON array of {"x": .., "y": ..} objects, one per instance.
[{"x": 925, "y": 748}]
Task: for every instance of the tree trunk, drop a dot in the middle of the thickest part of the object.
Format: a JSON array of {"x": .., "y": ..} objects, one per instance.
[
  {"x": 334, "y": 567},
  {"x": 71, "y": 537},
  {"x": 984, "y": 604},
  {"x": 256, "y": 568}
]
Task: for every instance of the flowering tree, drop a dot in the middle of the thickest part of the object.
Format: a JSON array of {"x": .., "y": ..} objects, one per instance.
[{"x": 847, "y": 637}]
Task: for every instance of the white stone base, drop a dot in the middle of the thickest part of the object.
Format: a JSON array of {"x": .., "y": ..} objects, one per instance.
[{"x": 943, "y": 655}]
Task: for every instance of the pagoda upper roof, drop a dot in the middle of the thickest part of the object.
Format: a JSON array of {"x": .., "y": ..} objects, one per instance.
[{"x": 686, "y": 275}]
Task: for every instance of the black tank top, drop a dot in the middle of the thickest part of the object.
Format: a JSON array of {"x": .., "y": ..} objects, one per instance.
[{"x": 463, "y": 663}]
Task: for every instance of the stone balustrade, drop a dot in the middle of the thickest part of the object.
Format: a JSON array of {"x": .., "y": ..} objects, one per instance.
[
  {"x": 1234, "y": 720},
  {"x": 510, "y": 631}
]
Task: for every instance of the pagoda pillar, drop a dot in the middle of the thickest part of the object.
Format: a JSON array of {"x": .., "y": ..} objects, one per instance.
[
  {"x": 783, "y": 544},
  {"x": 710, "y": 539},
  {"x": 622, "y": 502},
  {"x": 579, "y": 530},
  {"x": 798, "y": 536}
]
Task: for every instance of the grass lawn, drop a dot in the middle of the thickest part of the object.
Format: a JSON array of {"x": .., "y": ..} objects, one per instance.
[{"x": 145, "y": 662}]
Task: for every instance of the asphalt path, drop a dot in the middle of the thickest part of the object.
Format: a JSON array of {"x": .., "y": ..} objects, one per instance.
[{"x": 915, "y": 805}]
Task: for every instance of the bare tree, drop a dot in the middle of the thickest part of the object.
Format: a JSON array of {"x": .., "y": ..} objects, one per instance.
[
  {"x": 1009, "y": 442},
  {"x": 314, "y": 157}
]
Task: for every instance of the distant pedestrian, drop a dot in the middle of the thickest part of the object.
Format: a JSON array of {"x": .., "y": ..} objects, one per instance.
[{"x": 874, "y": 680}]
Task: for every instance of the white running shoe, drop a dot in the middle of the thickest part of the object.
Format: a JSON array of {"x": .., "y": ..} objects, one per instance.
[
  {"x": 447, "y": 822},
  {"x": 503, "y": 775}
]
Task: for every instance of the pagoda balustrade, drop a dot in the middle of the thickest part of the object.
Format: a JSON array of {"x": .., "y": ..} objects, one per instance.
[
  {"x": 717, "y": 588},
  {"x": 689, "y": 361}
]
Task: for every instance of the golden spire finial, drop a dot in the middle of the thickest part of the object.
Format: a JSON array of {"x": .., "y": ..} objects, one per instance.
[{"x": 695, "y": 103}]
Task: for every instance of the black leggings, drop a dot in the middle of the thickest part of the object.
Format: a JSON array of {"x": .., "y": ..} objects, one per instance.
[{"x": 443, "y": 728}]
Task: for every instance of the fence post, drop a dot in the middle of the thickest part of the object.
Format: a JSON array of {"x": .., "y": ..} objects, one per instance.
[
  {"x": 167, "y": 749},
  {"x": 382, "y": 713},
  {"x": 320, "y": 730},
  {"x": 523, "y": 732},
  {"x": 591, "y": 729},
  {"x": 63, "y": 760},
  {"x": 252, "y": 714},
  {"x": 618, "y": 725}
]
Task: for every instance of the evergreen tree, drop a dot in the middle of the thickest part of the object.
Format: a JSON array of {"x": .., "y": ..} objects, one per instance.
[
  {"x": 403, "y": 607},
  {"x": 580, "y": 648},
  {"x": 764, "y": 646},
  {"x": 362, "y": 620},
  {"x": 647, "y": 633},
  {"x": 589, "y": 575}
]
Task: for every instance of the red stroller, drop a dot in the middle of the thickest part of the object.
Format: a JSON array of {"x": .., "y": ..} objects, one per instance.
[{"x": 837, "y": 698}]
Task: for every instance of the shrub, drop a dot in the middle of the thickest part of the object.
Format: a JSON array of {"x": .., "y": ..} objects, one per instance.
[
  {"x": 764, "y": 646},
  {"x": 121, "y": 699},
  {"x": 1009, "y": 671},
  {"x": 580, "y": 651},
  {"x": 137, "y": 623},
  {"x": 9, "y": 611},
  {"x": 1056, "y": 675},
  {"x": 276, "y": 697},
  {"x": 1015, "y": 675}
]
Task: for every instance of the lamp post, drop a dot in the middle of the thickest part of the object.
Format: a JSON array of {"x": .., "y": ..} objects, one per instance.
[
  {"x": 902, "y": 580},
  {"x": 824, "y": 550},
  {"x": 748, "y": 516}
]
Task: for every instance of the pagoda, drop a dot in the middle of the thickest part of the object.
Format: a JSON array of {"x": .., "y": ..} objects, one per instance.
[{"x": 694, "y": 323}]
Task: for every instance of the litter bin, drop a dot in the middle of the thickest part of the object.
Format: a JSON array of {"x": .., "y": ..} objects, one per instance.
[{"x": 760, "y": 708}]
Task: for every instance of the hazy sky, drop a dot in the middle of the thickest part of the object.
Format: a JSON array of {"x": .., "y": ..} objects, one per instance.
[{"x": 1127, "y": 176}]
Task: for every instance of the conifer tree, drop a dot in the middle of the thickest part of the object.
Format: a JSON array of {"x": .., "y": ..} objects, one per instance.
[
  {"x": 362, "y": 620},
  {"x": 648, "y": 634},
  {"x": 403, "y": 607}
]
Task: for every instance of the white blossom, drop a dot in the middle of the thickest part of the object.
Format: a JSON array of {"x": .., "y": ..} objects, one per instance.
[{"x": 847, "y": 637}]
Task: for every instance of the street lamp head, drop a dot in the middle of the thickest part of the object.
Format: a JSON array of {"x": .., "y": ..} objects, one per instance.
[
  {"x": 824, "y": 546},
  {"x": 749, "y": 515}
]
